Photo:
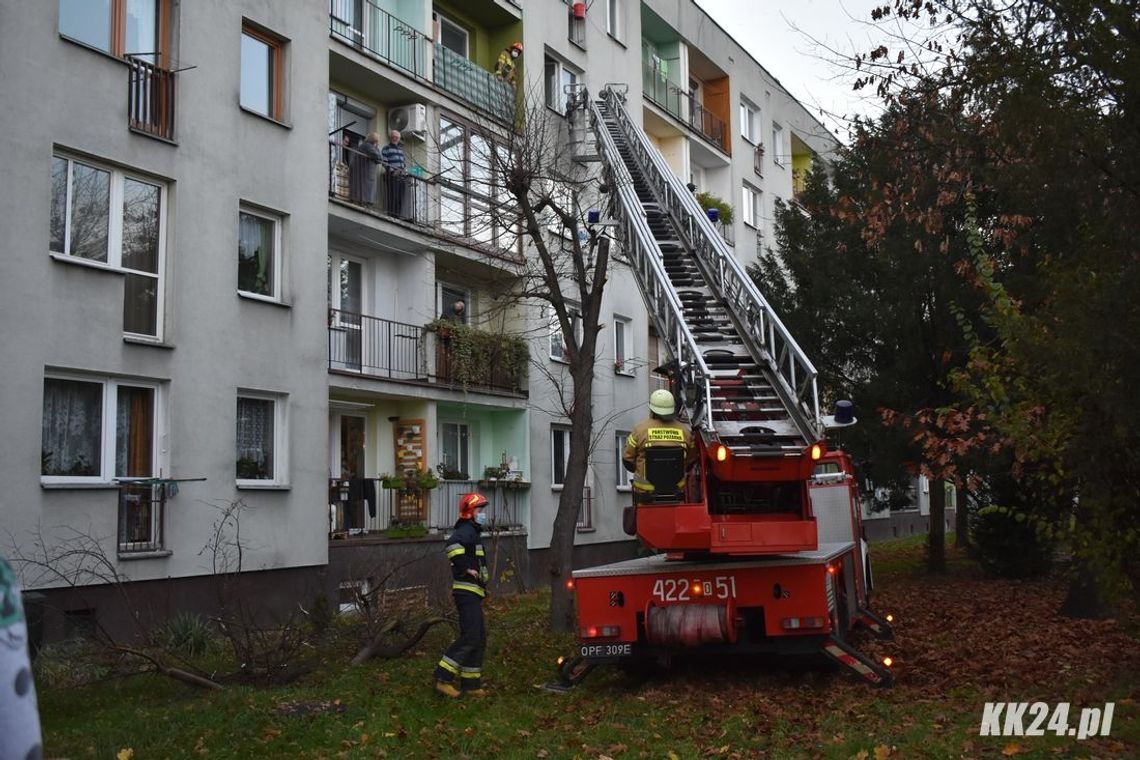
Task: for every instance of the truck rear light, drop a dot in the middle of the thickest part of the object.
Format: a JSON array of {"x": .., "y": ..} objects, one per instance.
[
  {"x": 570, "y": 585},
  {"x": 721, "y": 452},
  {"x": 817, "y": 450},
  {"x": 887, "y": 661},
  {"x": 601, "y": 632},
  {"x": 798, "y": 623}
]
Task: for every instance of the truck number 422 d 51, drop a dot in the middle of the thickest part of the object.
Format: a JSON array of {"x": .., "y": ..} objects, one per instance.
[{"x": 682, "y": 589}]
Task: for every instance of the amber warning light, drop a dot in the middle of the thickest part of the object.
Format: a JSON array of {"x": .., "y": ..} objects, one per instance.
[{"x": 721, "y": 452}]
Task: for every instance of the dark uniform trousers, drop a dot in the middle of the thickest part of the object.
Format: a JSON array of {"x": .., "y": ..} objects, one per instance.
[{"x": 464, "y": 658}]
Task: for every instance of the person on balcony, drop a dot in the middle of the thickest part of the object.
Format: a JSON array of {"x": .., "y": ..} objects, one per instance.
[
  {"x": 505, "y": 67},
  {"x": 362, "y": 169},
  {"x": 395, "y": 174},
  {"x": 463, "y": 660}
]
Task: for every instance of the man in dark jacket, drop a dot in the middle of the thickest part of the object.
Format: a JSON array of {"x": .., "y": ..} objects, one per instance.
[{"x": 463, "y": 660}]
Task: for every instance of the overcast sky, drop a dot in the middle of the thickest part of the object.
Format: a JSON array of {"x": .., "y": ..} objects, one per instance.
[{"x": 789, "y": 38}]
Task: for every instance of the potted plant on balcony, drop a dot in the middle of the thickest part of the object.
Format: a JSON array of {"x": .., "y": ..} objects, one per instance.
[
  {"x": 391, "y": 482},
  {"x": 723, "y": 209},
  {"x": 426, "y": 479},
  {"x": 447, "y": 472}
]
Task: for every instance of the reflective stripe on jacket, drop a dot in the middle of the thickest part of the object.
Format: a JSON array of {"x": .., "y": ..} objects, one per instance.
[
  {"x": 465, "y": 552},
  {"x": 652, "y": 433}
]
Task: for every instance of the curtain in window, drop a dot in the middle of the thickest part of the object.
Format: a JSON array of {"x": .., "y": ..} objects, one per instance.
[
  {"x": 255, "y": 255},
  {"x": 134, "y": 432},
  {"x": 254, "y": 439},
  {"x": 72, "y": 428}
]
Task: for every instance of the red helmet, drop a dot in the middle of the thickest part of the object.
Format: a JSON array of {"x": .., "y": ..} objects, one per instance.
[{"x": 468, "y": 503}]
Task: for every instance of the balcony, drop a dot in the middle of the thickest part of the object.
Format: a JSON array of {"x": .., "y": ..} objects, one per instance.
[
  {"x": 440, "y": 354},
  {"x": 681, "y": 105},
  {"x": 380, "y": 35},
  {"x": 363, "y": 507},
  {"x": 356, "y": 178},
  {"x": 479, "y": 88},
  {"x": 150, "y": 99}
]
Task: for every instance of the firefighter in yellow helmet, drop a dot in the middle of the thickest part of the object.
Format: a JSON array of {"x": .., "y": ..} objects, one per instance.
[
  {"x": 661, "y": 429},
  {"x": 460, "y": 670}
]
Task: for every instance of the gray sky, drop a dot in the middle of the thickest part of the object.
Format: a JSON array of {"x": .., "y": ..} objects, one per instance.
[{"x": 789, "y": 38}]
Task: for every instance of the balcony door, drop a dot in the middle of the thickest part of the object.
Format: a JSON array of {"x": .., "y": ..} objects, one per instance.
[{"x": 346, "y": 302}]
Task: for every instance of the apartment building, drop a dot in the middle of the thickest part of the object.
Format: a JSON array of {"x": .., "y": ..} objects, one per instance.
[{"x": 210, "y": 295}]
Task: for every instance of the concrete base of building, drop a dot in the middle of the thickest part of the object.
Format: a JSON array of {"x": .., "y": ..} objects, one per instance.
[{"x": 902, "y": 524}]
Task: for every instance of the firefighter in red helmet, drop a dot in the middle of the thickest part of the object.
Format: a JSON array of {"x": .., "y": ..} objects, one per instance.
[{"x": 460, "y": 670}]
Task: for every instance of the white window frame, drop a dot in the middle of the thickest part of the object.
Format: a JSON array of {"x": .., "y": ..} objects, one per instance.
[
  {"x": 623, "y": 475},
  {"x": 563, "y": 354},
  {"x": 778, "y": 157},
  {"x": 623, "y": 333},
  {"x": 115, "y": 232},
  {"x": 440, "y": 20},
  {"x": 749, "y": 121},
  {"x": 562, "y": 69},
  {"x": 107, "y": 429},
  {"x": 750, "y": 206},
  {"x": 280, "y": 439},
  {"x": 278, "y": 258},
  {"x": 470, "y": 434},
  {"x": 615, "y": 21},
  {"x": 560, "y": 431}
]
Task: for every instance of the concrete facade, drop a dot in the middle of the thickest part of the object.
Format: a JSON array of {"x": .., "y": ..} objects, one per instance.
[{"x": 354, "y": 283}]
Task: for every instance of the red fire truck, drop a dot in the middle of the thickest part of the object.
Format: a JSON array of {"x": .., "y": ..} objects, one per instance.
[{"x": 761, "y": 549}]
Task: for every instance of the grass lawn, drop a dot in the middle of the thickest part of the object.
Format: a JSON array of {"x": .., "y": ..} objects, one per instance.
[{"x": 961, "y": 641}]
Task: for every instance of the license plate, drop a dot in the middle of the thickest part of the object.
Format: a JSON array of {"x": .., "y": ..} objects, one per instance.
[{"x": 602, "y": 651}]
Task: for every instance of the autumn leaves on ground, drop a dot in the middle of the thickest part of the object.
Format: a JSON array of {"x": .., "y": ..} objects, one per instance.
[{"x": 961, "y": 641}]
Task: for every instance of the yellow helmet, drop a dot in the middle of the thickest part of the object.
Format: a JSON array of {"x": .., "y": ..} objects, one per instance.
[{"x": 661, "y": 403}]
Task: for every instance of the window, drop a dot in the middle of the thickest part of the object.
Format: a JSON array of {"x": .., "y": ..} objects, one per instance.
[
  {"x": 455, "y": 450},
  {"x": 614, "y": 18},
  {"x": 474, "y": 202},
  {"x": 778, "y": 151},
  {"x": 260, "y": 454},
  {"x": 576, "y": 27},
  {"x": 559, "y": 349},
  {"x": 98, "y": 429},
  {"x": 259, "y": 254},
  {"x": 619, "y": 446},
  {"x": 262, "y": 66},
  {"x": 622, "y": 333},
  {"x": 749, "y": 121},
  {"x": 118, "y": 27},
  {"x": 450, "y": 34},
  {"x": 557, "y": 78},
  {"x": 560, "y": 440},
  {"x": 451, "y": 297},
  {"x": 750, "y": 204},
  {"x": 110, "y": 217}
]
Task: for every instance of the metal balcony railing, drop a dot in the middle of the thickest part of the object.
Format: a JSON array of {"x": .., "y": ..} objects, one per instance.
[
  {"x": 368, "y": 28},
  {"x": 474, "y": 85},
  {"x": 357, "y": 178},
  {"x": 391, "y": 350},
  {"x": 150, "y": 99},
  {"x": 671, "y": 98},
  {"x": 142, "y": 506},
  {"x": 362, "y": 507}
]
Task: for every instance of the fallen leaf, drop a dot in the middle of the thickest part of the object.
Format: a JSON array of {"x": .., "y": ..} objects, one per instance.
[
  {"x": 543, "y": 753},
  {"x": 126, "y": 753},
  {"x": 523, "y": 732},
  {"x": 672, "y": 755},
  {"x": 1011, "y": 749},
  {"x": 862, "y": 755},
  {"x": 616, "y": 749},
  {"x": 882, "y": 752}
]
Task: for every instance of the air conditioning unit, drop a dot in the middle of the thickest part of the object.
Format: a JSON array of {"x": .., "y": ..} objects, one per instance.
[{"x": 410, "y": 120}]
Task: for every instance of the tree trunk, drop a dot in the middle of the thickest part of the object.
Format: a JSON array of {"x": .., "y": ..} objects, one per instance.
[
  {"x": 562, "y": 618},
  {"x": 936, "y": 540},
  {"x": 961, "y": 518},
  {"x": 1085, "y": 601}
]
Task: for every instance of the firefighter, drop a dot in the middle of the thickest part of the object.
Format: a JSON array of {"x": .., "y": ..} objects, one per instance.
[
  {"x": 462, "y": 663},
  {"x": 505, "y": 67},
  {"x": 661, "y": 429}
]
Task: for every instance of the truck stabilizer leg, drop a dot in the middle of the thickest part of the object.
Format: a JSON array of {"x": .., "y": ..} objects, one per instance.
[
  {"x": 881, "y": 628},
  {"x": 571, "y": 671},
  {"x": 876, "y": 675}
]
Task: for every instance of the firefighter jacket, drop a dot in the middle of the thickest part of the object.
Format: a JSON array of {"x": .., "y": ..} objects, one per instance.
[
  {"x": 465, "y": 551},
  {"x": 652, "y": 433}
]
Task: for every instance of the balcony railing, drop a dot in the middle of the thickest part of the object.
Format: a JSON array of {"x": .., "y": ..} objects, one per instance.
[
  {"x": 141, "y": 510},
  {"x": 675, "y": 101},
  {"x": 380, "y": 35},
  {"x": 358, "y": 179},
  {"x": 150, "y": 99},
  {"x": 458, "y": 357},
  {"x": 474, "y": 85},
  {"x": 363, "y": 507},
  {"x": 799, "y": 184}
]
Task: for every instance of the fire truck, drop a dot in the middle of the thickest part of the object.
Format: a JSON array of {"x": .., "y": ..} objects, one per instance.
[{"x": 761, "y": 548}]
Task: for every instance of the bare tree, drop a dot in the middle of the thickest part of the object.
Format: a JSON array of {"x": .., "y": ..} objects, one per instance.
[{"x": 531, "y": 194}]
